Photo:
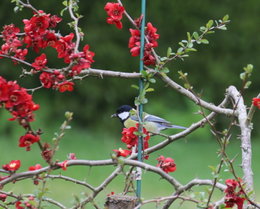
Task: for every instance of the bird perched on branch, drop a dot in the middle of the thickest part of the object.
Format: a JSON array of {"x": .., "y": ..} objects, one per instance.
[{"x": 153, "y": 124}]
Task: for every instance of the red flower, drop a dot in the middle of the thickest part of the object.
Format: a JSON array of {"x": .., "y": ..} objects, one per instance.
[
  {"x": 65, "y": 47},
  {"x": 83, "y": 60},
  {"x": 17, "y": 101},
  {"x": 131, "y": 139},
  {"x": 27, "y": 140},
  {"x": 10, "y": 31},
  {"x": 122, "y": 152},
  {"x": 18, "y": 205},
  {"x": 3, "y": 197},
  {"x": 54, "y": 20},
  {"x": 65, "y": 86},
  {"x": 20, "y": 54},
  {"x": 63, "y": 165},
  {"x": 88, "y": 54},
  {"x": 232, "y": 196},
  {"x": 134, "y": 43},
  {"x": 115, "y": 12},
  {"x": 256, "y": 102},
  {"x": 40, "y": 62},
  {"x": 37, "y": 24},
  {"x": 72, "y": 156},
  {"x": 36, "y": 167},
  {"x": 4, "y": 90},
  {"x": 166, "y": 164},
  {"x": 47, "y": 79},
  {"x": 14, "y": 165}
]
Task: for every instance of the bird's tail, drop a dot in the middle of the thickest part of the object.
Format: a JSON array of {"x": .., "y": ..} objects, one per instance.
[{"x": 178, "y": 127}]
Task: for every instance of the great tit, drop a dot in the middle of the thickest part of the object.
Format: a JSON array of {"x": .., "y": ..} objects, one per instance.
[{"x": 153, "y": 124}]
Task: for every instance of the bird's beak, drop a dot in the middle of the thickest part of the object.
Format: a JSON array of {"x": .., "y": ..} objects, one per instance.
[{"x": 114, "y": 115}]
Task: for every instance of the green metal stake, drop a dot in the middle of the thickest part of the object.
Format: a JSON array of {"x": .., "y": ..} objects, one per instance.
[{"x": 140, "y": 107}]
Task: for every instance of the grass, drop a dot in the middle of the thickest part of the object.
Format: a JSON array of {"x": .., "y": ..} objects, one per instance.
[{"x": 193, "y": 157}]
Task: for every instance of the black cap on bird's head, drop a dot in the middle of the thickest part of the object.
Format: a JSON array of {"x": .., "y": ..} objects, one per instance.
[{"x": 123, "y": 112}]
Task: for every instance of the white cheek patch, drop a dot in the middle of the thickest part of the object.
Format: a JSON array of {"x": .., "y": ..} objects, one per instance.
[{"x": 123, "y": 115}]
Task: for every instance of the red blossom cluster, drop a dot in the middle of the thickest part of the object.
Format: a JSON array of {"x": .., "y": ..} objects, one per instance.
[
  {"x": 232, "y": 196},
  {"x": 26, "y": 204},
  {"x": 47, "y": 152},
  {"x": 17, "y": 101},
  {"x": 166, "y": 164},
  {"x": 27, "y": 140},
  {"x": 56, "y": 80},
  {"x": 12, "y": 42},
  {"x": 38, "y": 30},
  {"x": 3, "y": 197},
  {"x": 38, "y": 34},
  {"x": 130, "y": 138},
  {"x": 14, "y": 165},
  {"x": 35, "y": 167},
  {"x": 115, "y": 12},
  {"x": 256, "y": 102},
  {"x": 135, "y": 43},
  {"x": 122, "y": 152}
]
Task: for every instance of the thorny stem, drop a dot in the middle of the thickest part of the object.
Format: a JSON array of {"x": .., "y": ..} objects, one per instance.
[
  {"x": 28, "y": 5},
  {"x": 161, "y": 199},
  {"x": 76, "y": 28}
]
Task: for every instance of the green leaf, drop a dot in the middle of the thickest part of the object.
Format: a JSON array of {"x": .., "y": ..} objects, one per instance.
[
  {"x": 62, "y": 11},
  {"x": 169, "y": 51},
  {"x": 249, "y": 68},
  {"x": 144, "y": 73},
  {"x": 180, "y": 50},
  {"x": 223, "y": 27},
  {"x": 225, "y": 18},
  {"x": 204, "y": 41},
  {"x": 209, "y": 24},
  {"x": 165, "y": 70},
  {"x": 242, "y": 76},
  {"x": 212, "y": 168},
  {"x": 202, "y": 28},
  {"x": 163, "y": 59},
  {"x": 16, "y": 9},
  {"x": 248, "y": 83},
  {"x": 187, "y": 86},
  {"x": 65, "y": 3},
  {"x": 189, "y": 36},
  {"x": 135, "y": 86},
  {"x": 190, "y": 50},
  {"x": 152, "y": 80},
  {"x": 190, "y": 45},
  {"x": 149, "y": 90},
  {"x": 195, "y": 35}
]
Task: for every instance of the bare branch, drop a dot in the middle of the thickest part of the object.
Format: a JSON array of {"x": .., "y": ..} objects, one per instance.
[
  {"x": 189, "y": 185},
  {"x": 195, "y": 99},
  {"x": 75, "y": 24},
  {"x": 161, "y": 199},
  {"x": 100, "y": 73},
  {"x": 187, "y": 131},
  {"x": 66, "y": 178},
  {"x": 245, "y": 137}
]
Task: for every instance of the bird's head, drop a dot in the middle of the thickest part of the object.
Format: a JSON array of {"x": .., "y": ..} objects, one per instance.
[{"x": 123, "y": 112}]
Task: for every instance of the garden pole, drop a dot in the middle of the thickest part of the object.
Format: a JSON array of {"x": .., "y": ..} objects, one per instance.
[{"x": 140, "y": 106}]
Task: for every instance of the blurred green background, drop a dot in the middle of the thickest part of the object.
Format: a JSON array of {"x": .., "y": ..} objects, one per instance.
[{"x": 94, "y": 134}]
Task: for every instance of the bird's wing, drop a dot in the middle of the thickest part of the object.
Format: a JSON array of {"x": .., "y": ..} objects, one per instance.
[
  {"x": 156, "y": 119},
  {"x": 162, "y": 123}
]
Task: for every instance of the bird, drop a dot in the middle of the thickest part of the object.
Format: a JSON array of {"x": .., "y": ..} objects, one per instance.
[{"x": 153, "y": 124}]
